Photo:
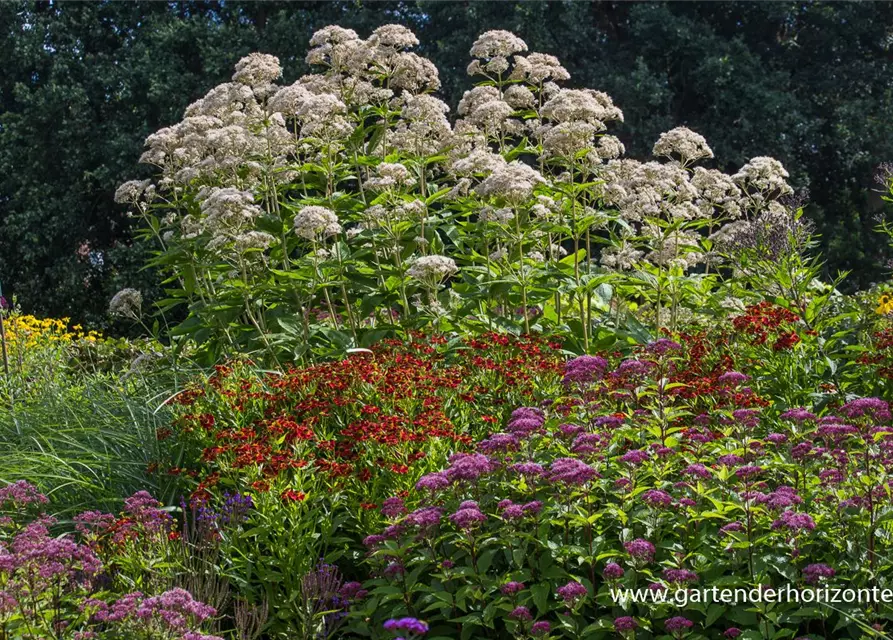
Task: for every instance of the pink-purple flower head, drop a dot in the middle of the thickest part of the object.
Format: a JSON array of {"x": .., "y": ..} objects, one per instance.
[
  {"x": 732, "y": 632},
  {"x": 797, "y": 414},
  {"x": 467, "y": 518},
  {"x": 20, "y": 494},
  {"x": 469, "y": 466},
  {"x": 634, "y": 457},
  {"x": 394, "y": 569},
  {"x": 523, "y": 428},
  {"x": 373, "y": 540},
  {"x": 625, "y": 624},
  {"x": 93, "y": 523},
  {"x": 512, "y": 588},
  {"x": 794, "y": 521},
  {"x": 612, "y": 571},
  {"x": 526, "y": 420},
  {"x": 662, "y": 346},
  {"x": 521, "y": 614},
  {"x": 629, "y": 368},
  {"x": 680, "y": 576},
  {"x": 540, "y": 628},
  {"x": 730, "y": 460},
  {"x": 776, "y": 438},
  {"x": 352, "y": 591},
  {"x": 801, "y": 450},
  {"x": 570, "y": 430},
  {"x": 585, "y": 369},
  {"x": 425, "y": 518},
  {"x": 609, "y": 422},
  {"x": 657, "y": 499},
  {"x": 678, "y": 624},
  {"x": 733, "y": 378},
  {"x": 528, "y": 469},
  {"x": 572, "y": 593},
  {"x": 782, "y": 498},
  {"x": 434, "y": 481},
  {"x": 393, "y": 507},
  {"x": 748, "y": 472},
  {"x": 571, "y": 471},
  {"x": 746, "y": 417},
  {"x": 640, "y": 549},
  {"x": 697, "y": 470},
  {"x": 732, "y": 527},
  {"x": 872, "y": 408},
  {"x": 412, "y": 626},
  {"x": 527, "y": 412},
  {"x": 499, "y": 443},
  {"x": 814, "y": 573}
]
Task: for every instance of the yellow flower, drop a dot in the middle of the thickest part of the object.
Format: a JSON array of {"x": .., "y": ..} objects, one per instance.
[{"x": 885, "y": 305}]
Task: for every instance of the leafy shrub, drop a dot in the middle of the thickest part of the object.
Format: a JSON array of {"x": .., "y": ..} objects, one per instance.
[
  {"x": 321, "y": 446},
  {"x": 315, "y": 216},
  {"x": 668, "y": 469},
  {"x": 57, "y": 586}
]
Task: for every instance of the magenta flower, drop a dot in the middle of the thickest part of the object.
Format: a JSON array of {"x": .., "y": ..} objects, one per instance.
[
  {"x": 612, "y": 571},
  {"x": 585, "y": 369},
  {"x": 572, "y": 592},
  {"x": 813, "y": 573},
  {"x": 640, "y": 549},
  {"x": 625, "y": 623},
  {"x": 798, "y": 414},
  {"x": 393, "y": 507},
  {"x": 663, "y": 346},
  {"x": 467, "y": 517},
  {"x": 657, "y": 498},
  {"x": 433, "y": 481},
  {"x": 872, "y": 408},
  {"x": 794, "y": 522},
  {"x": 512, "y": 588},
  {"x": 408, "y": 625},
  {"x": 634, "y": 457},
  {"x": 571, "y": 471},
  {"x": 680, "y": 576},
  {"x": 19, "y": 494},
  {"x": 540, "y": 628},
  {"x": 521, "y": 613},
  {"x": 678, "y": 625},
  {"x": 732, "y": 378}
]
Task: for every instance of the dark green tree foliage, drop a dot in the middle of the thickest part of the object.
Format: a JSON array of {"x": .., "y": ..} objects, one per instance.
[{"x": 83, "y": 84}]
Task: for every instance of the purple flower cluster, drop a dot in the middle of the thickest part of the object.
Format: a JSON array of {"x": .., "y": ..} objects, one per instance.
[
  {"x": 173, "y": 612},
  {"x": 525, "y": 421},
  {"x": 640, "y": 549},
  {"x": 572, "y": 593},
  {"x": 794, "y": 522},
  {"x": 585, "y": 369},
  {"x": 468, "y": 516},
  {"x": 412, "y": 626},
  {"x": 813, "y": 573},
  {"x": 21, "y": 494},
  {"x": 571, "y": 471}
]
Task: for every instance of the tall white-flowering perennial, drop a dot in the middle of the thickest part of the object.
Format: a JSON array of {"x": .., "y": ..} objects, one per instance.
[
  {"x": 127, "y": 303},
  {"x": 316, "y": 223},
  {"x": 432, "y": 269}
]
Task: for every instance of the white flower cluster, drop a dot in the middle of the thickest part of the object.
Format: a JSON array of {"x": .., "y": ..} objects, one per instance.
[
  {"x": 127, "y": 303},
  {"x": 316, "y": 223},
  {"x": 526, "y": 158},
  {"x": 432, "y": 270}
]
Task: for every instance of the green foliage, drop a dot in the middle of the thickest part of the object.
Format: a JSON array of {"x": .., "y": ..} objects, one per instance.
[{"x": 84, "y": 83}]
